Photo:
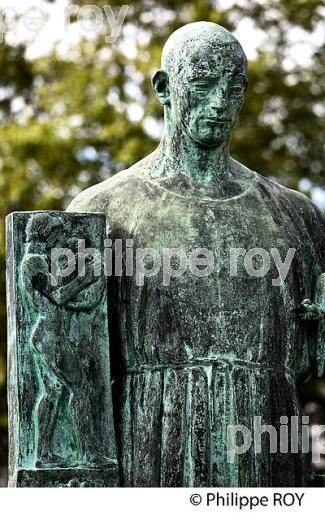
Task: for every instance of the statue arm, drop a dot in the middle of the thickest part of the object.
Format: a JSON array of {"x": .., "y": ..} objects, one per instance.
[
  {"x": 320, "y": 340},
  {"x": 315, "y": 313},
  {"x": 319, "y": 355},
  {"x": 89, "y": 298},
  {"x": 66, "y": 293},
  {"x": 35, "y": 275}
]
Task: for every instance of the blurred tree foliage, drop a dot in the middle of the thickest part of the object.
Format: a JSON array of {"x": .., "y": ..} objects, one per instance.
[{"x": 71, "y": 120}]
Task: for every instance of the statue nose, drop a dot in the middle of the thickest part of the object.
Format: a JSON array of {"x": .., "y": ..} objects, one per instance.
[
  {"x": 219, "y": 105},
  {"x": 219, "y": 102}
]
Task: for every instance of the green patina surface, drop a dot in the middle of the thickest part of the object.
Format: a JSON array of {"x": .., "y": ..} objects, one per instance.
[
  {"x": 200, "y": 353},
  {"x": 203, "y": 353},
  {"x": 60, "y": 412}
]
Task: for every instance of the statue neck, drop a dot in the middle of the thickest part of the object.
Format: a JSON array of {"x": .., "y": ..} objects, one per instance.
[
  {"x": 183, "y": 162},
  {"x": 188, "y": 169},
  {"x": 203, "y": 166}
]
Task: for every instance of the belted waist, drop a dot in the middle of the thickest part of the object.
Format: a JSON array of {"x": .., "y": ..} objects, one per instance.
[{"x": 208, "y": 362}]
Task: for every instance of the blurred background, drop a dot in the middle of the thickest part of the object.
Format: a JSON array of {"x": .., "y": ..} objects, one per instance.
[{"x": 75, "y": 109}]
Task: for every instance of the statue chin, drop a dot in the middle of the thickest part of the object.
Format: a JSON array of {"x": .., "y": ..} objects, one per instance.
[
  {"x": 207, "y": 137},
  {"x": 205, "y": 141}
]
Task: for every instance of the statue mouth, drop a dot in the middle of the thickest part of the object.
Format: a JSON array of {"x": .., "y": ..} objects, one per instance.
[{"x": 216, "y": 120}]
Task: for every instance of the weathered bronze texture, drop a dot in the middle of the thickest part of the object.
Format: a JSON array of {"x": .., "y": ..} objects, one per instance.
[{"x": 60, "y": 412}]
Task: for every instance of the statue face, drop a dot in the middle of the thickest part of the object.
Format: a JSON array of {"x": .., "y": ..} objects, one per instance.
[{"x": 207, "y": 97}]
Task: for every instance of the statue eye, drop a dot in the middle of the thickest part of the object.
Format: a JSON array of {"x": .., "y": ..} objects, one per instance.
[
  {"x": 237, "y": 85},
  {"x": 237, "y": 88},
  {"x": 201, "y": 85}
]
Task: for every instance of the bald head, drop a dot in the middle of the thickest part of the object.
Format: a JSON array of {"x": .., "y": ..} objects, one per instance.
[
  {"x": 202, "y": 83},
  {"x": 196, "y": 43}
]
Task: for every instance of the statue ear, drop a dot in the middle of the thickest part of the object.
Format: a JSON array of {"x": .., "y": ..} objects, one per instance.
[{"x": 160, "y": 85}]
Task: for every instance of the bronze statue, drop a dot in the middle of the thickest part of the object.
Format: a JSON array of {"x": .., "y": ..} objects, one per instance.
[
  {"x": 222, "y": 315},
  {"x": 192, "y": 358}
]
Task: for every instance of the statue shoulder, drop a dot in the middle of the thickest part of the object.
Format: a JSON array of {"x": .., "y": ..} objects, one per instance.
[
  {"x": 118, "y": 188},
  {"x": 98, "y": 197},
  {"x": 293, "y": 201},
  {"x": 279, "y": 194},
  {"x": 298, "y": 200}
]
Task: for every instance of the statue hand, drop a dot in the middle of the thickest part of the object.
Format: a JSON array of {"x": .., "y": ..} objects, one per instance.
[{"x": 310, "y": 311}]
